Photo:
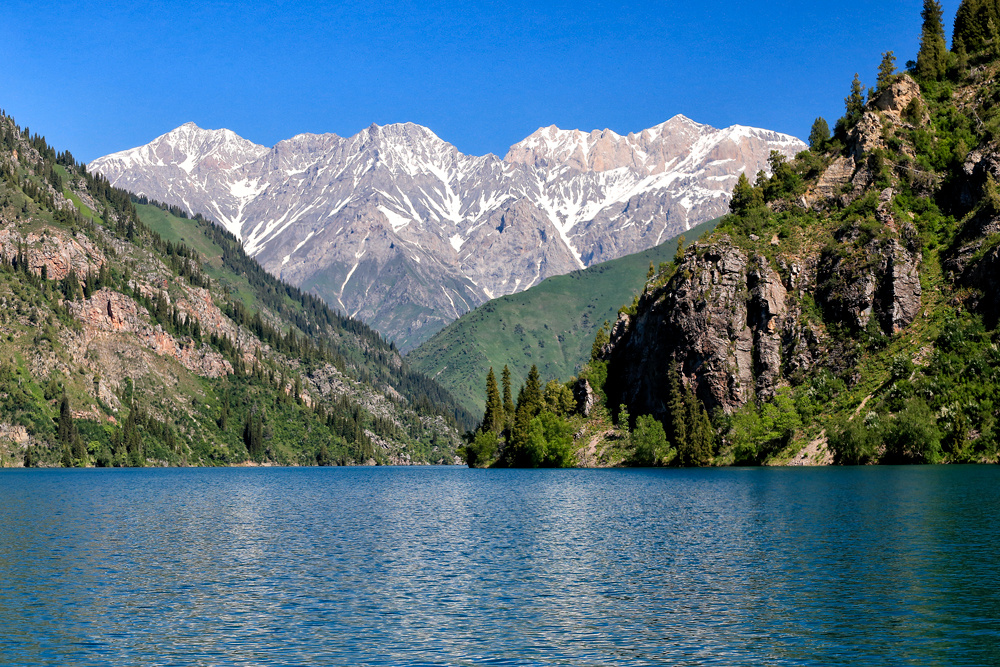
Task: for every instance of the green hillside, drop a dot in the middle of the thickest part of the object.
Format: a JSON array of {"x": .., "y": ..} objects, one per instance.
[
  {"x": 132, "y": 335},
  {"x": 552, "y": 325}
]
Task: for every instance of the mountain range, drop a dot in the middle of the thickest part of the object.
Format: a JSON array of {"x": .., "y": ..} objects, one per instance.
[{"x": 396, "y": 227}]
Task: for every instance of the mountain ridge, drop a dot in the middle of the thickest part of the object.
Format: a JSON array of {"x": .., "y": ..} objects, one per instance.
[{"x": 396, "y": 226}]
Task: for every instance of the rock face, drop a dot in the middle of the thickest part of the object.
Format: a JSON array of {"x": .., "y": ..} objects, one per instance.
[
  {"x": 724, "y": 319},
  {"x": 879, "y": 280},
  {"x": 398, "y": 228},
  {"x": 733, "y": 322},
  {"x": 108, "y": 311},
  {"x": 585, "y": 398},
  {"x": 57, "y": 251}
]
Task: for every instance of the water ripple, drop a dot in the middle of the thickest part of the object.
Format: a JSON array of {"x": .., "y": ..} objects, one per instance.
[{"x": 447, "y": 566}]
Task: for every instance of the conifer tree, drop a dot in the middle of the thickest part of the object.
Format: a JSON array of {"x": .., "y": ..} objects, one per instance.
[
  {"x": 972, "y": 33},
  {"x": 698, "y": 450},
  {"x": 932, "y": 58},
  {"x": 745, "y": 196},
  {"x": 693, "y": 434},
  {"x": 677, "y": 407},
  {"x": 600, "y": 340},
  {"x": 508, "y": 401},
  {"x": 533, "y": 392},
  {"x": 529, "y": 405},
  {"x": 854, "y": 103},
  {"x": 819, "y": 134},
  {"x": 886, "y": 71},
  {"x": 742, "y": 194},
  {"x": 65, "y": 429},
  {"x": 493, "y": 417}
]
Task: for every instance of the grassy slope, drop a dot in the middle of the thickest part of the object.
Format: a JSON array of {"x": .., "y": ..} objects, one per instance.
[
  {"x": 551, "y": 325},
  {"x": 181, "y": 230}
]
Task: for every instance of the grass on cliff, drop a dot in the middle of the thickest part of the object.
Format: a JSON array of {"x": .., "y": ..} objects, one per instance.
[{"x": 551, "y": 325}]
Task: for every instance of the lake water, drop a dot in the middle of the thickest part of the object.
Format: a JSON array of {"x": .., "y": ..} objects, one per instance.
[{"x": 449, "y": 566}]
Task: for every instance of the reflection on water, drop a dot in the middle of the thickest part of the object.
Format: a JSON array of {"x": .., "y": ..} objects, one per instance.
[{"x": 453, "y": 566}]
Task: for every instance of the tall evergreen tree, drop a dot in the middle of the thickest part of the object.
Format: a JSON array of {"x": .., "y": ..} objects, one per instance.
[
  {"x": 693, "y": 434},
  {"x": 600, "y": 340},
  {"x": 972, "y": 32},
  {"x": 819, "y": 134},
  {"x": 677, "y": 408},
  {"x": 508, "y": 401},
  {"x": 854, "y": 104},
  {"x": 700, "y": 434},
  {"x": 932, "y": 58},
  {"x": 745, "y": 196},
  {"x": 65, "y": 428},
  {"x": 886, "y": 71},
  {"x": 493, "y": 417},
  {"x": 529, "y": 405},
  {"x": 532, "y": 393}
]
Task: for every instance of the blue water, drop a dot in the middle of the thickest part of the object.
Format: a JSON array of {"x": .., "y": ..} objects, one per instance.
[{"x": 401, "y": 566}]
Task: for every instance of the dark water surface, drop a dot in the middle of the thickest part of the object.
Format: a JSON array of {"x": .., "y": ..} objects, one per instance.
[{"x": 400, "y": 566}]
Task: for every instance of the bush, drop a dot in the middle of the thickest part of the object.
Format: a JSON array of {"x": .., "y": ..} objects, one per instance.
[
  {"x": 650, "y": 442},
  {"x": 481, "y": 452},
  {"x": 852, "y": 442},
  {"x": 549, "y": 443},
  {"x": 914, "y": 436}
]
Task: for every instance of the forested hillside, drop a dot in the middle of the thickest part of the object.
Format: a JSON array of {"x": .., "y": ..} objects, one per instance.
[
  {"x": 130, "y": 335},
  {"x": 844, "y": 312}
]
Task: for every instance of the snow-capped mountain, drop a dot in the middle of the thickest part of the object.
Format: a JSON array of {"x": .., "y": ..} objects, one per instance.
[{"x": 397, "y": 227}]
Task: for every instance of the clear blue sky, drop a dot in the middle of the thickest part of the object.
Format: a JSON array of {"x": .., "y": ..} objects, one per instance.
[{"x": 101, "y": 76}]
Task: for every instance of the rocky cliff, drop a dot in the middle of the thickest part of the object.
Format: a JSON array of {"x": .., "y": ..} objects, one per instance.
[{"x": 819, "y": 278}]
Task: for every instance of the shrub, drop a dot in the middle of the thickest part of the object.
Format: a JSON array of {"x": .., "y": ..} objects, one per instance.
[{"x": 650, "y": 442}]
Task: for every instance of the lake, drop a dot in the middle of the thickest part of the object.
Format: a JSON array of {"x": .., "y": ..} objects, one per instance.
[{"x": 449, "y": 566}]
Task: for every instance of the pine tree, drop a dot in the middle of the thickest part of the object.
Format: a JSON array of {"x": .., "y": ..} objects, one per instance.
[
  {"x": 676, "y": 407},
  {"x": 508, "y": 401},
  {"x": 533, "y": 392},
  {"x": 693, "y": 434},
  {"x": 253, "y": 435},
  {"x": 886, "y": 72},
  {"x": 493, "y": 417},
  {"x": 745, "y": 197},
  {"x": 698, "y": 451},
  {"x": 600, "y": 340},
  {"x": 819, "y": 135},
  {"x": 972, "y": 33},
  {"x": 854, "y": 103},
  {"x": 529, "y": 405},
  {"x": 65, "y": 429},
  {"x": 932, "y": 58}
]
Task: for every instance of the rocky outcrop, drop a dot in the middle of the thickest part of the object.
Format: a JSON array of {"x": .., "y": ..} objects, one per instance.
[
  {"x": 110, "y": 312},
  {"x": 849, "y": 175},
  {"x": 56, "y": 250},
  {"x": 733, "y": 320},
  {"x": 832, "y": 182},
  {"x": 872, "y": 272},
  {"x": 725, "y": 318},
  {"x": 897, "y": 97},
  {"x": 584, "y": 396}
]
